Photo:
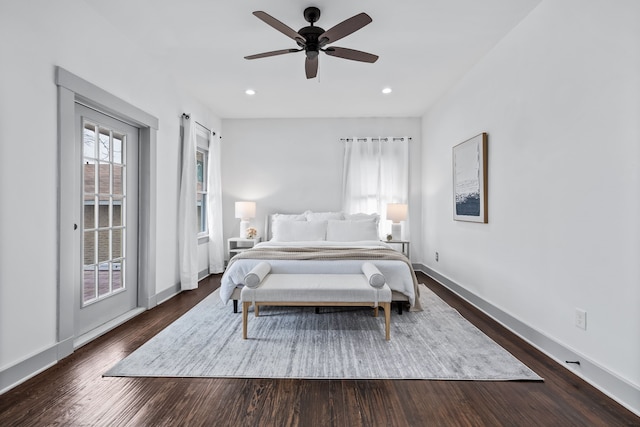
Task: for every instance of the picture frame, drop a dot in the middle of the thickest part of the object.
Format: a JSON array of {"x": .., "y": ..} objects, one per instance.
[{"x": 470, "y": 180}]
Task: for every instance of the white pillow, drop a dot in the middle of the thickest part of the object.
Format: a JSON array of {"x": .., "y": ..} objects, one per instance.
[
  {"x": 351, "y": 230},
  {"x": 285, "y": 217},
  {"x": 299, "y": 231},
  {"x": 291, "y": 217},
  {"x": 363, "y": 216},
  {"x": 323, "y": 216}
]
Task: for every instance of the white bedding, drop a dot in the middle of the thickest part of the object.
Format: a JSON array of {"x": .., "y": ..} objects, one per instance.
[{"x": 397, "y": 273}]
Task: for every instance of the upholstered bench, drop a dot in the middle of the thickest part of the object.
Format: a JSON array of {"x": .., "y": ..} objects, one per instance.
[
  {"x": 396, "y": 297},
  {"x": 315, "y": 290}
]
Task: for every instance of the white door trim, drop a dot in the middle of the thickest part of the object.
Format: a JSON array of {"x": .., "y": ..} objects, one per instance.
[{"x": 72, "y": 89}]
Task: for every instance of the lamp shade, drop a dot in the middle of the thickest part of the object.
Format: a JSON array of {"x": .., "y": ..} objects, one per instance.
[
  {"x": 396, "y": 212},
  {"x": 245, "y": 210}
]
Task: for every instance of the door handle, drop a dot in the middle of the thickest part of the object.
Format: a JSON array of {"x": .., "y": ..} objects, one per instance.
[{"x": 75, "y": 226}]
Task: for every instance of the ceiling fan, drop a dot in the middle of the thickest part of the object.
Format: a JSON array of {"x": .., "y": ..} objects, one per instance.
[{"x": 313, "y": 40}]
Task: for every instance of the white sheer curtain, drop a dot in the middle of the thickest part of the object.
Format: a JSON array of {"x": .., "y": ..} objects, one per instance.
[
  {"x": 214, "y": 213},
  {"x": 376, "y": 172},
  {"x": 187, "y": 212}
]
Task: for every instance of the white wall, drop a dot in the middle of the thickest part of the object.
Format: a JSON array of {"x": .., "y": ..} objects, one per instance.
[
  {"x": 291, "y": 165},
  {"x": 34, "y": 38},
  {"x": 560, "y": 100}
]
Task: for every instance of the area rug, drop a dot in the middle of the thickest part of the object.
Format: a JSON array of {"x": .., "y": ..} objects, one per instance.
[{"x": 338, "y": 343}]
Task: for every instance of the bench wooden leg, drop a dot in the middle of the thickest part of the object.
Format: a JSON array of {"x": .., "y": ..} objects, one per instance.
[
  {"x": 245, "y": 316},
  {"x": 375, "y": 311},
  {"x": 386, "y": 306},
  {"x": 256, "y": 310},
  {"x": 387, "y": 320}
]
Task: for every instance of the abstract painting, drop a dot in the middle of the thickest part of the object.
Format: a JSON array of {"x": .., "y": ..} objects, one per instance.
[{"x": 470, "y": 180}]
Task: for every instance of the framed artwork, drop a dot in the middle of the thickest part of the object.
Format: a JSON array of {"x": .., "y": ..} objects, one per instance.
[{"x": 470, "y": 180}]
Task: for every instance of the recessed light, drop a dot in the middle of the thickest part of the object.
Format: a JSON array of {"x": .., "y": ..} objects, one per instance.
[
  {"x": 250, "y": 92},
  {"x": 386, "y": 90}
]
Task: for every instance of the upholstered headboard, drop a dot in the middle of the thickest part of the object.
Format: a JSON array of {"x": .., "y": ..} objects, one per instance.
[{"x": 267, "y": 228}]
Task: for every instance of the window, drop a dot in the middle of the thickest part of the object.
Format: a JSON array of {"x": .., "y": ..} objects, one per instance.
[
  {"x": 376, "y": 173},
  {"x": 202, "y": 179}
]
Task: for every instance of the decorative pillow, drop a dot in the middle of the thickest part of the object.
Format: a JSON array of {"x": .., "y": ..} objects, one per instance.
[
  {"x": 375, "y": 278},
  {"x": 323, "y": 216},
  {"x": 257, "y": 274},
  {"x": 299, "y": 231},
  {"x": 363, "y": 216},
  {"x": 352, "y": 231}
]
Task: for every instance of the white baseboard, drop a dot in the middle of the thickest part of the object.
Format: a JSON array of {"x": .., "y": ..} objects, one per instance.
[
  {"x": 204, "y": 273},
  {"x": 28, "y": 368},
  {"x": 171, "y": 292},
  {"x": 619, "y": 389},
  {"x": 103, "y": 329},
  {"x": 167, "y": 294},
  {"x": 31, "y": 366}
]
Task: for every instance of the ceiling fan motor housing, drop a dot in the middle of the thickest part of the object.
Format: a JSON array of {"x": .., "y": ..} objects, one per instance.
[{"x": 312, "y": 45}]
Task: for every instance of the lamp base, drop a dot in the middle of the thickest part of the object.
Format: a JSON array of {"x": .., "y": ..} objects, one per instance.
[
  {"x": 396, "y": 231},
  {"x": 244, "y": 224}
]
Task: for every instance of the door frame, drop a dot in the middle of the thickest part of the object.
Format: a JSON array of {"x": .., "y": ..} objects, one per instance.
[{"x": 71, "y": 90}]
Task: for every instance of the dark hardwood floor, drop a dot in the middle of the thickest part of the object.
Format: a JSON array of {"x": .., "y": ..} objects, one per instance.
[{"x": 73, "y": 393}]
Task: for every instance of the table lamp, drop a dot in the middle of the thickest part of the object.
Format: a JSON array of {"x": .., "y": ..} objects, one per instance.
[
  {"x": 245, "y": 211},
  {"x": 396, "y": 212}
]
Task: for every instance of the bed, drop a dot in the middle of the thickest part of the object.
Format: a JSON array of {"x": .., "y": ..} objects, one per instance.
[{"x": 321, "y": 243}]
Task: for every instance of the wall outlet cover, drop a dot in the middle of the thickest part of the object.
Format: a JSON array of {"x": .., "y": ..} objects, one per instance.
[{"x": 581, "y": 319}]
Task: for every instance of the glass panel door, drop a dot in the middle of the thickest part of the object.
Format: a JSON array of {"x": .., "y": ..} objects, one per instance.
[{"x": 107, "y": 246}]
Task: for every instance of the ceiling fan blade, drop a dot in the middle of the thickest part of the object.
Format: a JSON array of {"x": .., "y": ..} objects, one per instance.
[
  {"x": 311, "y": 67},
  {"x": 283, "y": 28},
  {"x": 354, "y": 55},
  {"x": 272, "y": 53},
  {"x": 344, "y": 28}
]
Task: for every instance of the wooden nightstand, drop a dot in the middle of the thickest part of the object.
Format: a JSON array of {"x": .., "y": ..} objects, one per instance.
[
  {"x": 404, "y": 245},
  {"x": 235, "y": 245}
]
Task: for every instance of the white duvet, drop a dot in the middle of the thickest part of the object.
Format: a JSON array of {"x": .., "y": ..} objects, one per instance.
[{"x": 397, "y": 273}]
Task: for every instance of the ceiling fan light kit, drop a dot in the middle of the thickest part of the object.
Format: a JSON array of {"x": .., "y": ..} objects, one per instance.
[{"x": 313, "y": 40}]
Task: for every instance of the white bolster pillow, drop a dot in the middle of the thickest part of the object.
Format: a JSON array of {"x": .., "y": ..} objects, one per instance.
[
  {"x": 375, "y": 278},
  {"x": 257, "y": 273}
]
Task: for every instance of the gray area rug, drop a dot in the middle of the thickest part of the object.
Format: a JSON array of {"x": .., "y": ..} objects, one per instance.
[{"x": 339, "y": 343}]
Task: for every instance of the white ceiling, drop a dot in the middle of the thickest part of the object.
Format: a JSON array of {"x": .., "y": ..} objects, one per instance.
[{"x": 425, "y": 46}]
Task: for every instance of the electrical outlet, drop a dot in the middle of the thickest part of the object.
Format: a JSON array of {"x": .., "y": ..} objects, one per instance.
[
  {"x": 437, "y": 257},
  {"x": 581, "y": 319}
]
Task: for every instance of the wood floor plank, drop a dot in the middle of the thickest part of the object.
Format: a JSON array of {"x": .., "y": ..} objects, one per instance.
[{"x": 73, "y": 392}]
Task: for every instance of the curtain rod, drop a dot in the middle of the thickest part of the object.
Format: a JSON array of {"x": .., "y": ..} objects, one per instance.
[
  {"x": 374, "y": 139},
  {"x": 187, "y": 116}
]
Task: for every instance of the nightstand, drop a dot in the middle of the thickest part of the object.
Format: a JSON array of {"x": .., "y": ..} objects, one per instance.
[
  {"x": 235, "y": 245},
  {"x": 404, "y": 245}
]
